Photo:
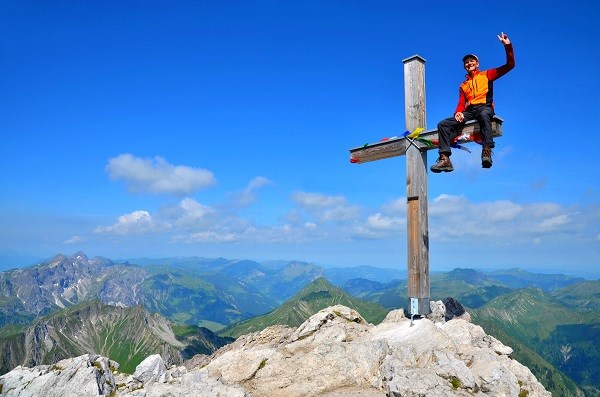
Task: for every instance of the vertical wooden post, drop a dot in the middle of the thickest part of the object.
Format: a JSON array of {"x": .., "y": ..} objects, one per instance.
[{"x": 416, "y": 189}]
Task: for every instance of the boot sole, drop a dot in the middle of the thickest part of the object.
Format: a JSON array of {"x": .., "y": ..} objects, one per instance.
[
  {"x": 486, "y": 163},
  {"x": 438, "y": 170}
]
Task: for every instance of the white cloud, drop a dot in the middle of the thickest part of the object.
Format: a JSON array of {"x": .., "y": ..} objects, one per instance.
[
  {"x": 74, "y": 240},
  {"x": 446, "y": 204},
  {"x": 143, "y": 175},
  {"x": 211, "y": 237},
  {"x": 326, "y": 208},
  {"x": 248, "y": 195},
  {"x": 137, "y": 222},
  {"x": 193, "y": 209},
  {"x": 188, "y": 213},
  {"x": 396, "y": 206},
  {"x": 363, "y": 232},
  {"x": 318, "y": 200},
  {"x": 554, "y": 222},
  {"x": 381, "y": 222},
  {"x": 502, "y": 210},
  {"x": 340, "y": 214},
  {"x": 455, "y": 218},
  {"x": 387, "y": 223},
  {"x": 543, "y": 209},
  {"x": 328, "y": 218},
  {"x": 258, "y": 182}
]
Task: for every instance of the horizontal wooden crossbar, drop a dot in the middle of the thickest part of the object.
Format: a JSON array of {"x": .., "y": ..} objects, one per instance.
[{"x": 397, "y": 146}]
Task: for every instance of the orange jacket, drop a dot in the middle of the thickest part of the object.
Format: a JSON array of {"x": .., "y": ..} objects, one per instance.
[{"x": 478, "y": 89}]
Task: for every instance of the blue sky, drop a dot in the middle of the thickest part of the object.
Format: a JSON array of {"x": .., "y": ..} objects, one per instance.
[{"x": 222, "y": 128}]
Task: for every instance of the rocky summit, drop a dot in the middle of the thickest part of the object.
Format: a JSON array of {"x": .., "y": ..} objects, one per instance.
[{"x": 334, "y": 353}]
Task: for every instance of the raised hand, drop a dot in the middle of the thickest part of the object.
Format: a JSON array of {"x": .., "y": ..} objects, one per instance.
[{"x": 503, "y": 38}]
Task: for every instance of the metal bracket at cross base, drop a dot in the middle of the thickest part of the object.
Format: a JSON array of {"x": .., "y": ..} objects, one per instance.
[{"x": 418, "y": 307}]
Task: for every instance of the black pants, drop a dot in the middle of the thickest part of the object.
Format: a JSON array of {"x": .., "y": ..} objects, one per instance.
[{"x": 448, "y": 128}]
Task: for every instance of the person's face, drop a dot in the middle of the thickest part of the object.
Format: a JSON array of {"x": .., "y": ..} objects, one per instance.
[{"x": 471, "y": 64}]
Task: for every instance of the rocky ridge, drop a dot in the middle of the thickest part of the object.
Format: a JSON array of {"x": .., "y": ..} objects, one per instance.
[
  {"x": 123, "y": 333},
  {"x": 126, "y": 335},
  {"x": 334, "y": 353},
  {"x": 65, "y": 281}
]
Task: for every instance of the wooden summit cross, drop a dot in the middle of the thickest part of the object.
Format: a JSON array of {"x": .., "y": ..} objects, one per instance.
[{"x": 416, "y": 176}]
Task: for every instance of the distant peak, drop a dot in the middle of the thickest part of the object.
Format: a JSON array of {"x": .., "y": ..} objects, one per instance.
[
  {"x": 321, "y": 281},
  {"x": 80, "y": 255},
  {"x": 58, "y": 257}
]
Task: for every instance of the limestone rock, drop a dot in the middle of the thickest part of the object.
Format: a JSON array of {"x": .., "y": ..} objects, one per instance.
[
  {"x": 438, "y": 311},
  {"x": 193, "y": 383},
  {"x": 88, "y": 375},
  {"x": 334, "y": 353},
  {"x": 152, "y": 369},
  {"x": 395, "y": 316}
]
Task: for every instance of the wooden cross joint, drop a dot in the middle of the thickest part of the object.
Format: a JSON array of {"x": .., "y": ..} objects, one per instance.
[{"x": 427, "y": 140}]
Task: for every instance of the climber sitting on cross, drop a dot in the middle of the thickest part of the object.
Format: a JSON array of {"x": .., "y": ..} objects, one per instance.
[{"x": 475, "y": 102}]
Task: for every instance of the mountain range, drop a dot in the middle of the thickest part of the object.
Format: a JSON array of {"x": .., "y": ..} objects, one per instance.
[
  {"x": 551, "y": 321},
  {"x": 333, "y": 353},
  {"x": 316, "y": 296},
  {"x": 127, "y": 335}
]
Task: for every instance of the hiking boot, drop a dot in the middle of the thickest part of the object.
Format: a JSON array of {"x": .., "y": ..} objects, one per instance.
[
  {"x": 443, "y": 164},
  {"x": 486, "y": 157}
]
